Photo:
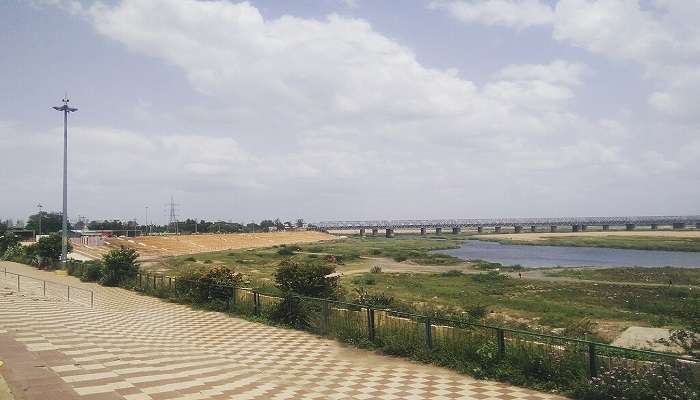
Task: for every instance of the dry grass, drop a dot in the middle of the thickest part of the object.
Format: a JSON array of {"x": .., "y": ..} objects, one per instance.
[{"x": 151, "y": 247}]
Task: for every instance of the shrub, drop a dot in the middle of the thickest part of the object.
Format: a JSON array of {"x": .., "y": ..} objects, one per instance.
[
  {"x": 47, "y": 250},
  {"x": 645, "y": 383},
  {"x": 201, "y": 286},
  {"x": 491, "y": 276},
  {"x": 7, "y": 241},
  {"x": 379, "y": 300},
  {"x": 190, "y": 259},
  {"x": 452, "y": 273},
  {"x": 120, "y": 266},
  {"x": 92, "y": 271},
  {"x": 15, "y": 252},
  {"x": 207, "y": 261},
  {"x": 292, "y": 311},
  {"x": 376, "y": 269},
  {"x": 285, "y": 251},
  {"x": 370, "y": 281},
  {"x": 308, "y": 279},
  {"x": 375, "y": 252},
  {"x": 400, "y": 258}
]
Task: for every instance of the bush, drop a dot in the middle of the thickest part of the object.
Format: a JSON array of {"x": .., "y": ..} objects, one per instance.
[
  {"x": 292, "y": 311},
  {"x": 378, "y": 300},
  {"x": 285, "y": 251},
  {"x": 400, "y": 258},
  {"x": 491, "y": 276},
  {"x": 92, "y": 271},
  {"x": 646, "y": 383},
  {"x": 202, "y": 286},
  {"x": 191, "y": 259},
  {"x": 308, "y": 279},
  {"x": 207, "y": 261},
  {"x": 47, "y": 250},
  {"x": 7, "y": 241},
  {"x": 452, "y": 273},
  {"x": 376, "y": 269},
  {"x": 120, "y": 266},
  {"x": 16, "y": 252}
]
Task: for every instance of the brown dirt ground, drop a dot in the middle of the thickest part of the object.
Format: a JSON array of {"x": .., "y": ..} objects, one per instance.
[{"x": 151, "y": 247}]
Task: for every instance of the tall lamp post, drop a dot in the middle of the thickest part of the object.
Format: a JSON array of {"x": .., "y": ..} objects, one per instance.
[
  {"x": 39, "y": 206},
  {"x": 65, "y": 109}
]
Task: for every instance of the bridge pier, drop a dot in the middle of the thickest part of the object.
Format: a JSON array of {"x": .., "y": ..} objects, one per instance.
[
  {"x": 606, "y": 227},
  {"x": 654, "y": 227},
  {"x": 374, "y": 231},
  {"x": 422, "y": 231},
  {"x": 533, "y": 228},
  {"x": 389, "y": 232},
  {"x": 574, "y": 228},
  {"x": 629, "y": 227},
  {"x": 552, "y": 228},
  {"x": 518, "y": 228},
  {"x": 480, "y": 229},
  {"x": 497, "y": 229},
  {"x": 362, "y": 231},
  {"x": 679, "y": 225},
  {"x": 438, "y": 231},
  {"x": 455, "y": 230},
  {"x": 583, "y": 228}
]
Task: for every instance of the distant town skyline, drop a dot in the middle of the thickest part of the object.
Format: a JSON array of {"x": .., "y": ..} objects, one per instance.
[{"x": 340, "y": 109}]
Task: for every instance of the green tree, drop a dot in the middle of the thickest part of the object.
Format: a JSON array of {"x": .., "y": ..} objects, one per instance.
[
  {"x": 47, "y": 250},
  {"x": 7, "y": 240},
  {"x": 119, "y": 266},
  {"x": 51, "y": 222},
  {"x": 307, "y": 279}
]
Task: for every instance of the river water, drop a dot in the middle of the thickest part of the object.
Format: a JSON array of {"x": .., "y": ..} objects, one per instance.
[{"x": 551, "y": 256}]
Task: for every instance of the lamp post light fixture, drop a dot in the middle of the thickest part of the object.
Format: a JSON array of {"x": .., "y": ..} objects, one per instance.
[{"x": 65, "y": 109}]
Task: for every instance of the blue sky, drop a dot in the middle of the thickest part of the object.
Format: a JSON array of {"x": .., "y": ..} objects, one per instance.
[{"x": 360, "y": 109}]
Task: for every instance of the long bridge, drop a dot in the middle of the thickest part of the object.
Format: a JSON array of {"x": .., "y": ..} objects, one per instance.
[{"x": 577, "y": 224}]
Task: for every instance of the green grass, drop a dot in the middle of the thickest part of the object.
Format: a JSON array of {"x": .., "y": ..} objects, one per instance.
[
  {"x": 412, "y": 248},
  {"x": 515, "y": 302},
  {"x": 678, "y": 276},
  {"x": 616, "y": 242},
  {"x": 548, "y": 304}
]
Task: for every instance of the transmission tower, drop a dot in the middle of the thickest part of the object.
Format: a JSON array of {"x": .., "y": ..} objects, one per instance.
[{"x": 173, "y": 215}]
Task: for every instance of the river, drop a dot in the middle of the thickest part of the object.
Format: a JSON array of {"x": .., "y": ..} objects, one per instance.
[{"x": 531, "y": 256}]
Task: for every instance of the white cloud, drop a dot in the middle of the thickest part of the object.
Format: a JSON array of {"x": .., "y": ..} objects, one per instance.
[
  {"x": 557, "y": 72},
  {"x": 512, "y": 13},
  {"x": 329, "y": 114}
]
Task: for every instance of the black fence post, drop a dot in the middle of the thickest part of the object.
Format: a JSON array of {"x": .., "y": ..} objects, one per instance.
[
  {"x": 428, "y": 334},
  {"x": 501, "y": 343},
  {"x": 154, "y": 281},
  {"x": 370, "y": 324},
  {"x": 592, "y": 361},
  {"x": 325, "y": 316},
  {"x": 256, "y": 302},
  {"x": 170, "y": 282}
]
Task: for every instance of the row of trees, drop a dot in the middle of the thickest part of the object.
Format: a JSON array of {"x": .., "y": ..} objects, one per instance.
[{"x": 51, "y": 222}]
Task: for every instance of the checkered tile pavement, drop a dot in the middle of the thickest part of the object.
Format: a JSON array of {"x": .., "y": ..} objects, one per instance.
[{"x": 137, "y": 347}]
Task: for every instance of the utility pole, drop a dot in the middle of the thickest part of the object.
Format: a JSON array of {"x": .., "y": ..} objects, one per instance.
[
  {"x": 65, "y": 109},
  {"x": 40, "y": 207},
  {"x": 149, "y": 226}
]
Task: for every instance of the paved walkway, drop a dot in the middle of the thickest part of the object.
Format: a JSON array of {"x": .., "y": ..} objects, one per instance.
[{"x": 137, "y": 347}]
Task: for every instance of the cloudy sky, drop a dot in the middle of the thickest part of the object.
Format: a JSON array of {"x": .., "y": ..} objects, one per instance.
[{"x": 353, "y": 109}]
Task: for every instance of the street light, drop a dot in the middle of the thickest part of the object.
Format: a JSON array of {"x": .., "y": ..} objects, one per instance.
[
  {"x": 65, "y": 109},
  {"x": 39, "y": 206}
]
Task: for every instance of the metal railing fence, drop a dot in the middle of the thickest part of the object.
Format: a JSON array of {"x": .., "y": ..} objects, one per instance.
[
  {"x": 30, "y": 284},
  {"x": 556, "y": 358}
]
